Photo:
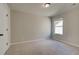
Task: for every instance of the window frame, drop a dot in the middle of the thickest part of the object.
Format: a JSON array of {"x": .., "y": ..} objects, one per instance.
[{"x": 59, "y": 19}]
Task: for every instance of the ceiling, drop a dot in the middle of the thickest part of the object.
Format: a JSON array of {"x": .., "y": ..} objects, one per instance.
[{"x": 37, "y": 9}]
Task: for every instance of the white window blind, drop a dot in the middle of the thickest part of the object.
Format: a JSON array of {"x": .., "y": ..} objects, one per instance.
[{"x": 58, "y": 26}]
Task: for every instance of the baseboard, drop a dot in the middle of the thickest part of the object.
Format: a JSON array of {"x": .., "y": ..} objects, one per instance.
[
  {"x": 26, "y": 41},
  {"x": 69, "y": 43}
]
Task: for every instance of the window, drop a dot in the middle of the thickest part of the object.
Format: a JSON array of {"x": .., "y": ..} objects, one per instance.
[{"x": 58, "y": 26}]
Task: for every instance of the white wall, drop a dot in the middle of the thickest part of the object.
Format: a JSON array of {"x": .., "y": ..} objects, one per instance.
[
  {"x": 25, "y": 27},
  {"x": 4, "y": 25},
  {"x": 71, "y": 27}
]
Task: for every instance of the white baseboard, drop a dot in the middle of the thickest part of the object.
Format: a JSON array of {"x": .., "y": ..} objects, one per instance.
[
  {"x": 26, "y": 41},
  {"x": 69, "y": 43}
]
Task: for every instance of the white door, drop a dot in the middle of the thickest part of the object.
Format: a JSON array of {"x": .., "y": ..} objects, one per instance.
[{"x": 4, "y": 34}]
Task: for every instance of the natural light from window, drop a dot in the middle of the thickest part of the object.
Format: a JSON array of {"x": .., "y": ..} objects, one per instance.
[{"x": 58, "y": 26}]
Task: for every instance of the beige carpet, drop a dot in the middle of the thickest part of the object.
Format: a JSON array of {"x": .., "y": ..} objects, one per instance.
[{"x": 42, "y": 47}]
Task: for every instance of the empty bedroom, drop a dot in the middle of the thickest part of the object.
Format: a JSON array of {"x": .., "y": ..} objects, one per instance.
[{"x": 39, "y": 28}]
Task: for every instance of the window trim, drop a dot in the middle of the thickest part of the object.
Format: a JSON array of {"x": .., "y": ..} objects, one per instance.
[{"x": 59, "y": 19}]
